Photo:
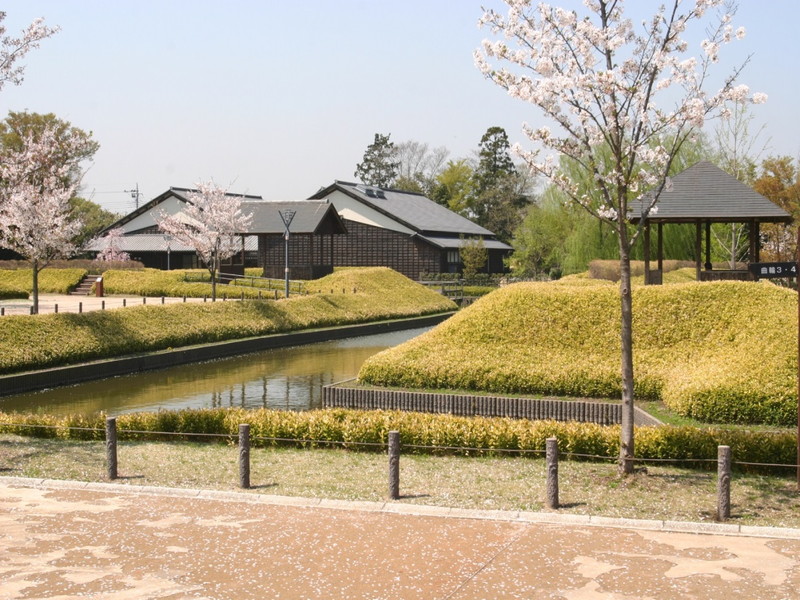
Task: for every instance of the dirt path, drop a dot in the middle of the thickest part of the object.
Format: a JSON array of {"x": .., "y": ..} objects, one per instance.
[{"x": 61, "y": 540}]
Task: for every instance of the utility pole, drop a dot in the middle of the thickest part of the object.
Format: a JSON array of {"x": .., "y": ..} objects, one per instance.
[{"x": 134, "y": 194}]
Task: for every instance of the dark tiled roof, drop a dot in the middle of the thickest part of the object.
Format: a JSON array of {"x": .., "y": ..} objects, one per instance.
[
  {"x": 412, "y": 210},
  {"x": 455, "y": 242},
  {"x": 706, "y": 192},
  {"x": 154, "y": 242},
  {"x": 309, "y": 217},
  {"x": 178, "y": 192}
]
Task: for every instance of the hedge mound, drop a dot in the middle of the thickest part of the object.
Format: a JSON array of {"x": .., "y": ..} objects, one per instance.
[
  {"x": 720, "y": 352},
  {"x": 40, "y": 341}
]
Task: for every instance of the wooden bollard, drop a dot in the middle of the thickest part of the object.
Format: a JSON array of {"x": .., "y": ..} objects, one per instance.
[
  {"x": 162, "y": 299},
  {"x": 394, "y": 465},
  {"x": 55, "y": 308},
  {"x": 723, "y": 483},
  {"x": 551, "y": 500},
  {"x": 2, "y": 311},
  {"x": 276, "y": 294},
  {"x": 244, "y": 456},
  {"x": 204, "y": 298},
  {"x": 80, "y": 307},
  {"x": 124, "y": 302},
  {"x": 102, "y": 304},
  {"x": 184, "y": 299},
  {"x": 242, "y": 296},
  {"x": 111, "y": 447},
  {"x": 144, "y": 300},
  {"x": 259, "y": 294}
]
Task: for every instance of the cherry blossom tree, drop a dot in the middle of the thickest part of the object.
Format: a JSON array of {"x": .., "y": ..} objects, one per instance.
[
  {"x": 13, "y": 49},
  {"x": 209, "y": 224},
  {"x": 111, "y": 251},
  {"x": 35, "y": 212},
  {"x": 623, "y": 97}
]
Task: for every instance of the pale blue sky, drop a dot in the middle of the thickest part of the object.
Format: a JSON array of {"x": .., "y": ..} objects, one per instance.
[{"x": 281, "y": 98}]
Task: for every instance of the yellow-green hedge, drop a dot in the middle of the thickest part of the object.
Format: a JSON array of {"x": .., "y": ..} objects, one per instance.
[
  {"x": 720, "y": 352},
  {"x": 51, "y": 281},
  {"x": 154, "y": 282},
  {"x": 421, "y": 429},
  {"x": 8, "y": 292},
  {"x": 39, "y": 341}
]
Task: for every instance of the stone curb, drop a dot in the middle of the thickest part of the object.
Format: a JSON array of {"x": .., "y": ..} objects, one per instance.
[{"x": 418, "y": 510}]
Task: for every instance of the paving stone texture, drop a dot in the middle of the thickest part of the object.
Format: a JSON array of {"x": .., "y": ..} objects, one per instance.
[{"x": 70, "y": 540}]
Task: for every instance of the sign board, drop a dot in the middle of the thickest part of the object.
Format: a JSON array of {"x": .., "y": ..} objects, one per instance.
[{"x": 773, "y": 269}]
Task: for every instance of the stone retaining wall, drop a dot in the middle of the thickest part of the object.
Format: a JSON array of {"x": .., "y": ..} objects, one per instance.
[{"x": 603, "y": 413}]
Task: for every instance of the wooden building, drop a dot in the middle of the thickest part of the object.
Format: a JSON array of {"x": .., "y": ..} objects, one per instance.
[
  {"x": 313, "y": 229},
  {"x": 404, "y": 231}
]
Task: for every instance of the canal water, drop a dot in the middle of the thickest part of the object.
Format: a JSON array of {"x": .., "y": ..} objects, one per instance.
[{"x": 284, "y": 378}]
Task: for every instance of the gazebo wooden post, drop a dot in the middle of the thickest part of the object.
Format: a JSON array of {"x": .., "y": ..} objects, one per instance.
[
  {"x": 647, "y": 252},
  {"x": 708, "y": 265},
  {"x": 698, "y": 248},
  {"x": 661, "y": 249}
]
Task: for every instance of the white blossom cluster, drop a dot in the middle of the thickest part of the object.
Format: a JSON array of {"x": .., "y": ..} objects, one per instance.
[
  {"x": 13, "y": 49},
  {"x": 209, "y": 223},
  {"x": 597, "y": 77},
  {"x": 35, "y": 213}
]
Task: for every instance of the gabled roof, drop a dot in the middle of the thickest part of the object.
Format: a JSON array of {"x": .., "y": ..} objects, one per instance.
[
  {"x": 178, "y": 192},
  {"x": 413, "y": 210},
  {"x": 704, "y": 192},
  {"x": 309, "y": 217}
]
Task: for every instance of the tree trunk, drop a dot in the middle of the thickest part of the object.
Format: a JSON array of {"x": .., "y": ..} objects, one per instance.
[
  {"x": 626, "y": 333},
  {"x": 35, "y": 265},
  {"x": 213, "y": 271}
]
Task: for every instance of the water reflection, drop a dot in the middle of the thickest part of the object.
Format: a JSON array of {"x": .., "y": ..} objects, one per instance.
[{"x": 287, "y": 378}]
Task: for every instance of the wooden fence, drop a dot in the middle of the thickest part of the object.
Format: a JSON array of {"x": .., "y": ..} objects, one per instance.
[{"x": 339, "y": 395}]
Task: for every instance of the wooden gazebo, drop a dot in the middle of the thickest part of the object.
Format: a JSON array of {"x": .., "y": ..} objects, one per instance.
[{"x": 704, "y": 194}]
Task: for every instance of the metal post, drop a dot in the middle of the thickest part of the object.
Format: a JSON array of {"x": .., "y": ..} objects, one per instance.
[
  {"x": 551, "y": 501},
  {"x": 723, "y": 483},
  {"x": 244, "y": 456},
  {"x": 394, "y": 465},
  {"x": 111, "y": 447},
  {"x": 286, "y": 217}
]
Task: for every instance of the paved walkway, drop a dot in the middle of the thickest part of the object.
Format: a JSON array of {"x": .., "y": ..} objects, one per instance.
[
  {"x": 70, "y": 540},
  {"x": 63, "y": 303}
]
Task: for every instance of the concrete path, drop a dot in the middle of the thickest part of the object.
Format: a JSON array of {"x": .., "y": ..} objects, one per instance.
[
  {"x": 49, "y": 303},
  {"x": 76, "y": 540}
]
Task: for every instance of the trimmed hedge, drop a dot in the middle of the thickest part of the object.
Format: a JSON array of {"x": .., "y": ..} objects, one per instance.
[
  {"x": 51, "y": 281},
  {"x": 423, "y": 429},
  {"x": 41, "y": 341},
  {"x": 154, "y": 282},
  {"x": 8, "y": 292},
  {"x": 723, "y": 352}
]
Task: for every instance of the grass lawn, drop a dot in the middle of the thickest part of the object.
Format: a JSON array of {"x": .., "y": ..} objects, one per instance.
[{"x": 477, "y": 482}]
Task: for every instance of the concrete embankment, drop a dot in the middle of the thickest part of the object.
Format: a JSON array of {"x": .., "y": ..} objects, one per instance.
[{"x": 30, "y": 381}]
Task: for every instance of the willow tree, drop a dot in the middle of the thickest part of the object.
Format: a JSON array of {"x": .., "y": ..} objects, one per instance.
[{"x": 606, "y": 83}]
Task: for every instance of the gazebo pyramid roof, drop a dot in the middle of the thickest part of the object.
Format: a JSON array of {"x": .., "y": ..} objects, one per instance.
[{"x": 704, "y": 192}]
